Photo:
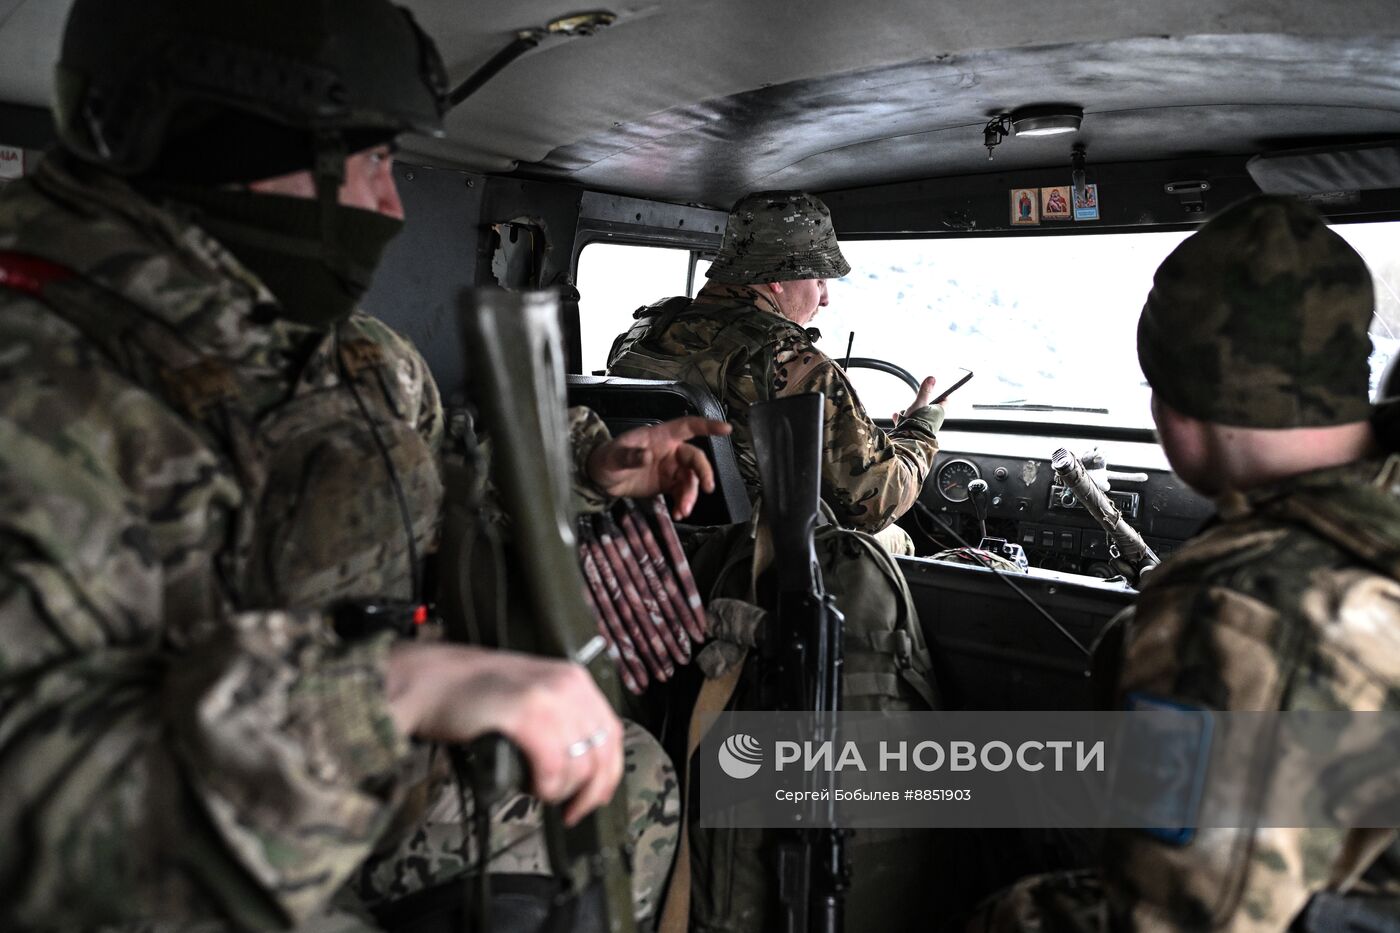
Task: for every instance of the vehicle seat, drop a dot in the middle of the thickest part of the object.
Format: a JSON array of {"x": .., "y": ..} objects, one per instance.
[{"x": 624, "y": 404}]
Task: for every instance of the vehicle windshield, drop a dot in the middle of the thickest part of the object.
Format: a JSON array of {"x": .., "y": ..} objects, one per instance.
[{"x": 1048, "y": 324}]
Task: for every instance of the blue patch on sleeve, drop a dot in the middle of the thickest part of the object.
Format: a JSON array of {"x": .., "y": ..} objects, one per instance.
[{"x": 1168, "y": 755}]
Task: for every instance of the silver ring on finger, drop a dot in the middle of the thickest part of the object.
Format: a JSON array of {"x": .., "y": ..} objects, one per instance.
[{"x": 585, "y": 745}]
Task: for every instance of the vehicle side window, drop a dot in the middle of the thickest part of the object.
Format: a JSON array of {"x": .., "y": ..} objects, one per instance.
[
  {"x": 701, "y": 266},
  {"x": 615, "y": 279},
  {"x": 1379, "y": 245}
]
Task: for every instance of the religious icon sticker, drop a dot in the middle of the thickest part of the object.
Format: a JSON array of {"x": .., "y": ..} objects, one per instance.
[
  {"x": 1054, "y": 203},
  {"x": 11, "y": 163},
  {"x": 1086, "y": 203},
  {"x": 1025, "y": 207}
]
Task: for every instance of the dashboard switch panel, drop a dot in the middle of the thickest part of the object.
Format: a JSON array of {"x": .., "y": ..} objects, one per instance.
[{"x": 1062, "y": 497}]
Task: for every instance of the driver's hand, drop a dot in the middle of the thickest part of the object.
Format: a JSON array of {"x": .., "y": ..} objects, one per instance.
[{"x": 923, "y": 397}]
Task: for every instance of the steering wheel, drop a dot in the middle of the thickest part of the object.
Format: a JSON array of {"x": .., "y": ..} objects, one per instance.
[{"x": 899, "y": 372}]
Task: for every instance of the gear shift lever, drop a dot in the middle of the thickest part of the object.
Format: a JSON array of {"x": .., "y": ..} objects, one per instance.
[{"x": 977, "y": 492}]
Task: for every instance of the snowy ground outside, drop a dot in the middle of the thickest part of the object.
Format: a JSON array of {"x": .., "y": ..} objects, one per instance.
[{"x": 1040, "y": 320}]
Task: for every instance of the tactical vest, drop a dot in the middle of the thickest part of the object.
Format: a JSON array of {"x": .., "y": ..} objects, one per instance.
[
  {"x": 308, "y": 505},
  {"x": 734, "y": 332},
  {"x": 714, "y": 344}
]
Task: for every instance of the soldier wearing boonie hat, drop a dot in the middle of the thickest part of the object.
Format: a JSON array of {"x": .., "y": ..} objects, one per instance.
[
  {"x": 1254, "y": 340},
  {"x": 778, "y": 236},
  {"x": 744, "y": 337}
]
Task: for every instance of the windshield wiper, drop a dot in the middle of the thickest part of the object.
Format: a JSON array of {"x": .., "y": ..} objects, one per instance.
[{"x": 1038, "y": 406}]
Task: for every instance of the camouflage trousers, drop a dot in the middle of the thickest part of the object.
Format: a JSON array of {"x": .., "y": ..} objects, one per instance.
[{"x": 434, "y": 851}]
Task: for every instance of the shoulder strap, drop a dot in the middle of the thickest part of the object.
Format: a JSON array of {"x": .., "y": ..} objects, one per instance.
[
  {"x": 124, "y": 338},
  {"x": 660, "y": 314},
  {"x": 652, "y": 318},
  {"x": 29, "y": 275},
  {"x": 146, "y": 350}
]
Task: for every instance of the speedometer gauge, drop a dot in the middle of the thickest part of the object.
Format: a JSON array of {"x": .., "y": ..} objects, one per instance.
[{"x": 952, "y": 479}]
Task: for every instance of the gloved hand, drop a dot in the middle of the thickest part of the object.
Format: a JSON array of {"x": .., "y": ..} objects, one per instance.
[{"x": 735, "y": 626}]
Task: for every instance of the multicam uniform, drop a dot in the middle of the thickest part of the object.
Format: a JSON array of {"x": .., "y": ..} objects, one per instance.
[
  {"x": 1291, "y": 602},
  {"x": 734, "y": 340},
  {"x": 185, "y": 484}
]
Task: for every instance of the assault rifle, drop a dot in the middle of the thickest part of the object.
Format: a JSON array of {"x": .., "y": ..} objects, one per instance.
[
  {"x": 516, "y": 371},
  {"x": 804, "y": 649}
]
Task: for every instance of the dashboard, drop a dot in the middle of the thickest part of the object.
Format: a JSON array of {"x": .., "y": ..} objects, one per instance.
[{"x": 1028, "y": 506}]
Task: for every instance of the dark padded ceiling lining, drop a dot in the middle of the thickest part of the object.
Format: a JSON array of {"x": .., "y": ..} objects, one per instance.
[
  {"x": 1143, "y": 99},
  {"x": 665, "y": 56},
  {"x": 698, "y": 100}
]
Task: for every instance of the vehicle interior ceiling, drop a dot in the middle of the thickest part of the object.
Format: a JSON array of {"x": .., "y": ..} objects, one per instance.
[{"x": 643, "y": 122}]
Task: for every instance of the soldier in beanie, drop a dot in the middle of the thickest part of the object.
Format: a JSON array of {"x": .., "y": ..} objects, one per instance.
[
  {"x": 210, "y": 459},
  {"x": 745, "y": 336},
  {"x": 1255, "y": 342}
]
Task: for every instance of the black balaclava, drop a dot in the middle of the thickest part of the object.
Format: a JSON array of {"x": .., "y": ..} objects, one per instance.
[{"x": 282, "y": 240}]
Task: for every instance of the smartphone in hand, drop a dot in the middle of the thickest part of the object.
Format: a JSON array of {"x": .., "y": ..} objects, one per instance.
[{"x": 955, "y": 387}]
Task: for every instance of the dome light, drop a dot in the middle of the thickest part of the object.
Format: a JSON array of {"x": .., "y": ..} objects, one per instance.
[{"x": 1049, "y": 120}]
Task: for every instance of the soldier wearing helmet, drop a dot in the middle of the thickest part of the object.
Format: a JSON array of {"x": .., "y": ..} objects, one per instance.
[
  {"x": 1255, "y": 342},
  {"x": 744, "y": 336},
  {"x": 211, "y": 459}
]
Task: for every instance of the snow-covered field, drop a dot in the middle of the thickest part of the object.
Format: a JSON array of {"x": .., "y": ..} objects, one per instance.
[{"x": 1040, "y": 320}]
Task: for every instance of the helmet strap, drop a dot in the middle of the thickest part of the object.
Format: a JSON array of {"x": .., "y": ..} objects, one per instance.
[{"x": 330, "y": 175}]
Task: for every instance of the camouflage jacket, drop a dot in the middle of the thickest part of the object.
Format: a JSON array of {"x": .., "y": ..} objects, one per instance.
[
  {"x": 733, "y": 340},
  {"x": 185, "y": 485},
  {"x": 1291, "y": 601}
]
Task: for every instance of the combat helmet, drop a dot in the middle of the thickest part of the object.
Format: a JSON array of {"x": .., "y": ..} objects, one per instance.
[
  {"x": 266, "y": 86},
  {"x": 778, "y": 236}
]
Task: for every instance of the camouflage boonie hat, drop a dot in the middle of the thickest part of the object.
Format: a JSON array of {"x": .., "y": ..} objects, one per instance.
[
  {"x": 1260, "y": 320},
  {"x": 778, "y": 236}
]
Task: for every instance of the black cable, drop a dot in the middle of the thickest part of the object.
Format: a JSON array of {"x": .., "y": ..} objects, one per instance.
[
  {"x": 481, "y": 913},
  {"x": 522, "y": 43},
  {"x": 921, "y": 508},
  {"x": 414, "y": 571},
  {"x": 476, "y": 904},
  {"x": 471, "y": 907},
  {"x": 480, "y": 816}
]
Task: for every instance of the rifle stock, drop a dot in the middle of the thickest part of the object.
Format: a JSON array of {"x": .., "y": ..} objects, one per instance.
[
  {"x": 812, "y": 872},
  {"x": 516, "y": 375}
]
